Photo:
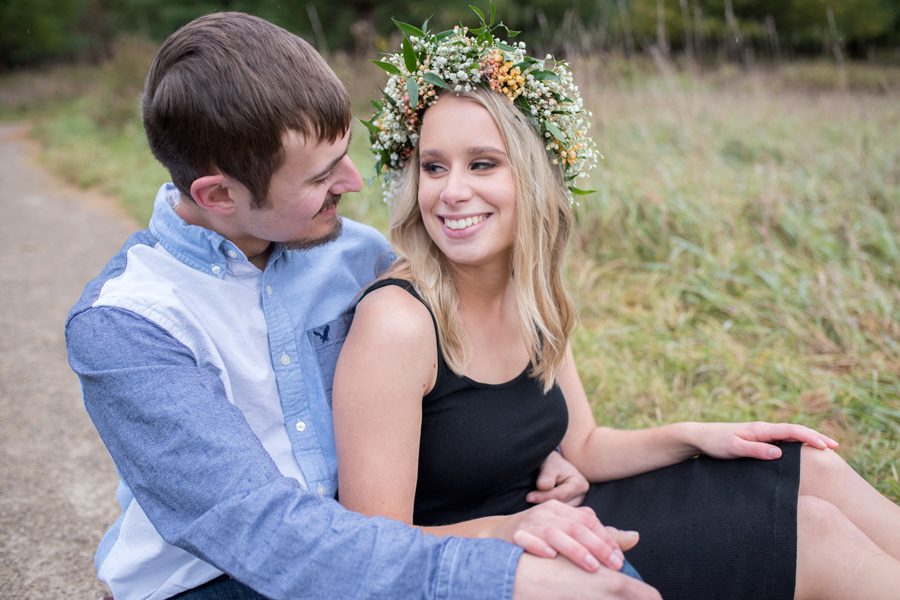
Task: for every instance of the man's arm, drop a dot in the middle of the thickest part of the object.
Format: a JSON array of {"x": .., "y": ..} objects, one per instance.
[{"x": 208, "y": 486}]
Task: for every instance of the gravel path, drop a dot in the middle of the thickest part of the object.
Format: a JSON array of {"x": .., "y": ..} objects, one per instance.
[{"x": 57, "y": 483}]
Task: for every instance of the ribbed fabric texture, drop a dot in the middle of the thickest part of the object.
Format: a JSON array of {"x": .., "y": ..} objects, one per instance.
[
  {"x": 481, "y": 444},
  {"x": 710, "y": 529}
]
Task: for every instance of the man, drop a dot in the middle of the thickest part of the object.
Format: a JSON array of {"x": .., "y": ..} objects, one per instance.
[{"x": 206, "y": 350}]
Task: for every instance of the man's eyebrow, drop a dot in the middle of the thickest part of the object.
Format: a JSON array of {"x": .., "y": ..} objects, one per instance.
[{"x": 321, "y": 174}]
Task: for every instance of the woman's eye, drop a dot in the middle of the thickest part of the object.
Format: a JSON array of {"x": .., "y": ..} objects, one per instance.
[
  {"x": 481, "y": 165},
  {"x": 431, "y": 167}
]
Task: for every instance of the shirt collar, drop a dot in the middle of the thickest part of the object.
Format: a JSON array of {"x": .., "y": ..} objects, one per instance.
[{"x": 198, "y": 247}]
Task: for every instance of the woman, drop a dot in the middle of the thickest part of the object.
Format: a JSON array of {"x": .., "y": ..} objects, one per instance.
[{"x": 457, "y": 377}]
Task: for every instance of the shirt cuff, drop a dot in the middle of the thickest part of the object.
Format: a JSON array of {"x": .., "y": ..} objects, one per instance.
[{"x": 477, "y": 569}]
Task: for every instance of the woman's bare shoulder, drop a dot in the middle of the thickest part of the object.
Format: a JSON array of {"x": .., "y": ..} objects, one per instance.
[{"x": 393, "y": 312}]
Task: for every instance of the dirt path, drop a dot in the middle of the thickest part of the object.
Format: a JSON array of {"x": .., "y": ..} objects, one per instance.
[{"x": 57, "y": 483}]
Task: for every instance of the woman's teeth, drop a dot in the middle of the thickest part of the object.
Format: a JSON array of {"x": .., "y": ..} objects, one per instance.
[{"x": 458, "y": 224}]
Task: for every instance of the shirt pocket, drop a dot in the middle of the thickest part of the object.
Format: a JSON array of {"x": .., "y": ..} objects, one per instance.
[{"x": 326, "y": 341}]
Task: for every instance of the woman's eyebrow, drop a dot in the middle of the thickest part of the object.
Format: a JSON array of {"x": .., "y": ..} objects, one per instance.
[{"x": 470, "y": 151}]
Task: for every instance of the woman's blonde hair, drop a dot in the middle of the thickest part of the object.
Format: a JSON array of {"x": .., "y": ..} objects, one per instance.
[{"x": 544, "y": 222}]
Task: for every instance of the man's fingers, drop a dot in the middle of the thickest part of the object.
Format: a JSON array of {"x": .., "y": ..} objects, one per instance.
[
  {"x": 568, "y": 493},
  {"x": 545, "y": 482}
]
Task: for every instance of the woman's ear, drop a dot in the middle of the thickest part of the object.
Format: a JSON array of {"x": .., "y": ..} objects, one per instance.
[{"x": 211, "y": 193}]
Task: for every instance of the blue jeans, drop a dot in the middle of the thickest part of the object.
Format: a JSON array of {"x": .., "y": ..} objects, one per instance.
[
  {"x": 627, "y": 569},
  {"x": 221, "y": 588}
]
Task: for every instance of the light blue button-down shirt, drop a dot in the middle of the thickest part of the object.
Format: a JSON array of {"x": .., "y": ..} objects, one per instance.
[{"x": 210, "y": 383}]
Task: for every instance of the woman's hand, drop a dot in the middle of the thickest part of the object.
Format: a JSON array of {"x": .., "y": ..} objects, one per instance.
[
  {"x": 559, "y": 480},
  {"x": 554, "y": 528},
  {"x": 751, "y": 440}
]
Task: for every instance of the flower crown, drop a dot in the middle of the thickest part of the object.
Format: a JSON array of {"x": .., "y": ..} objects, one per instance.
[{"x": 460, "y": 59}]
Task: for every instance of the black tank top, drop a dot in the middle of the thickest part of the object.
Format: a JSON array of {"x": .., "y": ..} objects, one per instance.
[{"x": 482, "y": 445}]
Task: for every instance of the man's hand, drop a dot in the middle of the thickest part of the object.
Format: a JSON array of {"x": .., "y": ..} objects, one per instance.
[
  {"x": 558, "y": 579},
  {"x": 559, "y": 480}
]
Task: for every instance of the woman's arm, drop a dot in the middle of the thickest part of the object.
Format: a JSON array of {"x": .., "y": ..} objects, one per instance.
[
  {"x": 603, "y": 453},
  {"x": 387, "y": 364}
]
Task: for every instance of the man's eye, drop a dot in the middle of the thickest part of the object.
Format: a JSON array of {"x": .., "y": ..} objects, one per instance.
[{"x": 327, "y": 179}]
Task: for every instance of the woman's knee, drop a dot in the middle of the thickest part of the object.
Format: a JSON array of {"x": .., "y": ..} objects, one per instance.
[{"x": 820, "y": 467}]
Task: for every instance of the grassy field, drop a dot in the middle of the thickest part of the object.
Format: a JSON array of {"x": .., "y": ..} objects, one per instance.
[{"x": 740, "y": 260}]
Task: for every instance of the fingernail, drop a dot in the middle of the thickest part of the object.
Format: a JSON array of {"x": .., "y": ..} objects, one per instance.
[
  {"x": 821, "y": 443},
  {"x": 617, "y": 559},
  {"x": 631, "y": 533},
  {"x": 773, "y": 452},
  {"x": 592, "y": 562}
]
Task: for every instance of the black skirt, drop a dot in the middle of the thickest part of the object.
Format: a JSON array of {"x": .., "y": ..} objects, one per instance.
[{"x": 711, "y": 528}]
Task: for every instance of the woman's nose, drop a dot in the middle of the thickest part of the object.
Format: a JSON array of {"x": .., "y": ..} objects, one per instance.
[{"x": 456, "y": 188}]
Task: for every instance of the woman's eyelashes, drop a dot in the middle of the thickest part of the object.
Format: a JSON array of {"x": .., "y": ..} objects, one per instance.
[
  {"x": 482, "y": 165},
  {"x": 476, "y": 165},
  {"x": 431, "y": 167}
]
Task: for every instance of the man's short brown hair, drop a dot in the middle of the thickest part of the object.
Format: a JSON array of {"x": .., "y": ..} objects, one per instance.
[{"x": 225, "y": 88}]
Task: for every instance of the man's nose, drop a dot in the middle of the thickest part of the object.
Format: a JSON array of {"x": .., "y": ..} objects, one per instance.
[{"x": 349, "y": 179}]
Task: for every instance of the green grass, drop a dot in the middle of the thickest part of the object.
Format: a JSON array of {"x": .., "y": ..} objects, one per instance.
[{"x": 740, "y": 259}]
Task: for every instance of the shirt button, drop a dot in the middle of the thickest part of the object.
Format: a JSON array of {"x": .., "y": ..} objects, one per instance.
[
  {"x": 301, "y": 426},
  {"x": 285, "y": 359},
  {"x": 232, "y": 254},
  {"x": 320, "y": 489},
  {"x": 269, "y": 290},
  {"x": 216, "y": 269}
]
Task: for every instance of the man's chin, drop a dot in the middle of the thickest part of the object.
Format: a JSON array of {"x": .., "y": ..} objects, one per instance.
[{"x": 332, "y": 235}]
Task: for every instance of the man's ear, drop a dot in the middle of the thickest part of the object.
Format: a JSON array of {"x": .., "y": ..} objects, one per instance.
[{"x": 211, "y": 193}]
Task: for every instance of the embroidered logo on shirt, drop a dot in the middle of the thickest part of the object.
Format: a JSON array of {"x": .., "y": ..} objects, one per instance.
[{"x": 323, "y": 336}]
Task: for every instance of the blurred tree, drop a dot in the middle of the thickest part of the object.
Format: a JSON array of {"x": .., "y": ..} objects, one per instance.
[{"x": 37, "y": 30}]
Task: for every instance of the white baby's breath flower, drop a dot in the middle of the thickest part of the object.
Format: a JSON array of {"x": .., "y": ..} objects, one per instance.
[{"x": 464, "y": 61}]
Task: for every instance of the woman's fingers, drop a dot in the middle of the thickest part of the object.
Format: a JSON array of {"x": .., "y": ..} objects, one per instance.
[
  {"x": 625, "y": 539},
  {"x": 798, "y": 433},
  {"x": 533, "y": 544},
  {"x": 576, "y": 534},
  {"x": 582, "y": 548}
]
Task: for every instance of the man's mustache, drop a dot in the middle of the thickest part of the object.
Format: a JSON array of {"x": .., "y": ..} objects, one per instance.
[{"x": 330, "y": 202}]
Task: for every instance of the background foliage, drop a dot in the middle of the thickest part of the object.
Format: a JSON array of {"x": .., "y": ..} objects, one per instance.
[{"x": 43, "y": 30}]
